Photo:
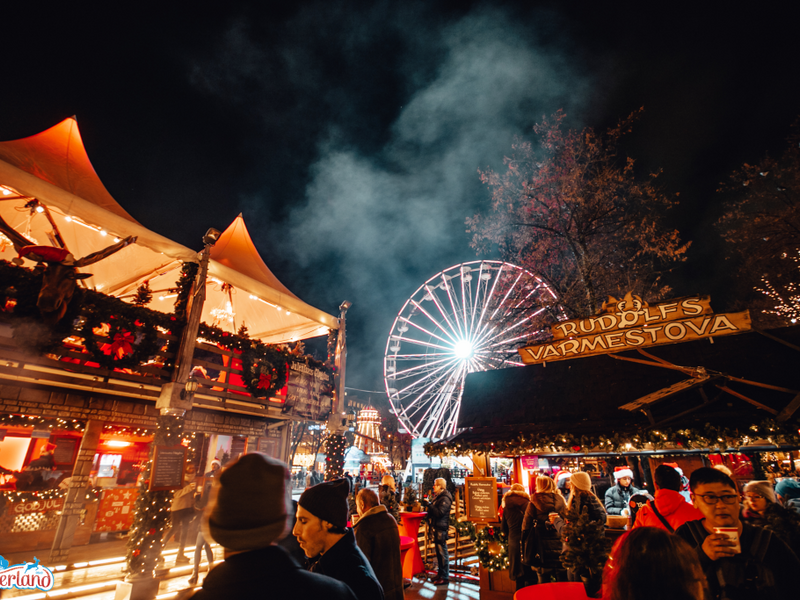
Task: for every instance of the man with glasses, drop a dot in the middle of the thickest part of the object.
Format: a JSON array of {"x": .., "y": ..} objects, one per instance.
[{"x": 744, "y": 561}]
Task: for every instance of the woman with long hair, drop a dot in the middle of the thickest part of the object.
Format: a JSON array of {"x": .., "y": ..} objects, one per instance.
[
  {"x": 515, "y": 503},
  {"x": 648, "y": 563},
  {"x": 542, "y": 548}
]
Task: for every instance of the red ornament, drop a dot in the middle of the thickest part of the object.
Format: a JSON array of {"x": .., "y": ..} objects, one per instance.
[
  {"x": 491, "y": 530},
  {"x": 151, "y": 532},
  {"x": 576, "y": 448},
  {"x": 136, "y": 553}
]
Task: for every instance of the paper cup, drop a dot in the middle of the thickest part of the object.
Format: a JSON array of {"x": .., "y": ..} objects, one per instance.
[{"x": 731, "y": 533}]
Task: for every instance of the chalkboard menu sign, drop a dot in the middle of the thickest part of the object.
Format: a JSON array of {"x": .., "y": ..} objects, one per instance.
[
  {"x": 309, "y": 391},
  {"x": 167, "y": 470},
  {"x": 481, "y": 499},
  {"x": 65, "y": 451}
]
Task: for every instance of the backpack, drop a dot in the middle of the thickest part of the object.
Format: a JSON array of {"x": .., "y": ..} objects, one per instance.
[{"x": 749, "y": 583}]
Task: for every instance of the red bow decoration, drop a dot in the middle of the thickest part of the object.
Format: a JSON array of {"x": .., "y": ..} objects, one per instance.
[
  {"x": 264, "y": 381},
  {"x": 121, "y": 346}
]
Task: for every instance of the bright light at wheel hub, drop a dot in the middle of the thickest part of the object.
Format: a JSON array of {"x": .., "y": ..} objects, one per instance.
[{"x": 463, "y": 349}]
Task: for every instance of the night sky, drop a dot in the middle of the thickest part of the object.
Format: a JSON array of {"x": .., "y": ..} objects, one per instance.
[{"x": 350, "y": 133}]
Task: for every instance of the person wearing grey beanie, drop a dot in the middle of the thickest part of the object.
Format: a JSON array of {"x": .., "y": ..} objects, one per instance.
[
  {"x": 246, "y": 515},
  {"x": 323, "y": 534}
]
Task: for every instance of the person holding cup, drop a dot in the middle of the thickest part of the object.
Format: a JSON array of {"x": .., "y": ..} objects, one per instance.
[{"x": 739, "y": 560}]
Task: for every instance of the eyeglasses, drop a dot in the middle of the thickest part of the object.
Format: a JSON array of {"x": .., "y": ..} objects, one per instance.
[
  {"x": 754, "y": 497},
  {"x": 713, "y": 498}
]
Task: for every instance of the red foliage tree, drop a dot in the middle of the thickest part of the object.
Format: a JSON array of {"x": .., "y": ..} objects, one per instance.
[
  {"x": 762, "y": 228},
  {"x": 574, "y": 212}
]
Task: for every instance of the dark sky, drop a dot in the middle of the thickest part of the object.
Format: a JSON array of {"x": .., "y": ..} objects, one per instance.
[{"x": 350, "y": 133}]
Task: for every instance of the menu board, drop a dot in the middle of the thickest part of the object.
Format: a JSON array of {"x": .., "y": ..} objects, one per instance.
[
  {"x": 309, "y": 391},
  {"x": 481, "y": 499},
  {"x": 167, "y": 470},
  {"x": 65, "y": 451}
]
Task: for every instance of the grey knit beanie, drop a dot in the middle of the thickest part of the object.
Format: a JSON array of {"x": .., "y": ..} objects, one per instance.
[
  {"x": 249, "y": 506},
  {"x": 762, "y": 488}
]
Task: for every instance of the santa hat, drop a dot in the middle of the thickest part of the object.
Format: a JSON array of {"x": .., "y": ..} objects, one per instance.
[
  {"x": 620, "y": 472},
  {"x": 562, "y": 475},
  {"x": 676, "y": 467},
  {"x": 48, "y": 447}
]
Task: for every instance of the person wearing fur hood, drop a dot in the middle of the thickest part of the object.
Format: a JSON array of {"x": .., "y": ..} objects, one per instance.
[
  {"x": 515, "y": 503},
  {"x": 542, "y": 542}
]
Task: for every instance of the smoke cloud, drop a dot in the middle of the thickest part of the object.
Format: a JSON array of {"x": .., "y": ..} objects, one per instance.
[{"x": 417, "y": 103}]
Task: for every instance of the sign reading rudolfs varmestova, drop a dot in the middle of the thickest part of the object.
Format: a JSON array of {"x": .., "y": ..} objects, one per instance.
[{"x": 631, "y": 323}]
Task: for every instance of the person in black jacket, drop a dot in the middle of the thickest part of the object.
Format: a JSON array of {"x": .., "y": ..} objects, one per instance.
[
  {"x": 439, "y": 518},
  {"x": 321, "y": 529},
  {"x": 378, "y": 538},
  {"x": 247, "y": 516}
]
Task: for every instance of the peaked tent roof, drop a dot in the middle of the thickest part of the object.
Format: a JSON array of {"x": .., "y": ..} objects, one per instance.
[
  {"x": 235, "y": 249},
  {"x": 58, "y": 156},
  {"x": 53, "y": 167}
]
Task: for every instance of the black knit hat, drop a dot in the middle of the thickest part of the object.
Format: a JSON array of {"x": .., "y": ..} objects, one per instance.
[
  {"x": 328, "y": 501},
  {"x": 250, "y": 506}
]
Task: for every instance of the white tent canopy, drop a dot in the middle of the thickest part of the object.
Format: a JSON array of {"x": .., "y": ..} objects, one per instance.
[{"x": 53, "y": 168}]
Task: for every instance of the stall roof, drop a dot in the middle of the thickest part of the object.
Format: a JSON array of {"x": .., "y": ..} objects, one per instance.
[
  {"x": 586, "y": 396},
  {"x": 54, "y": 168}
]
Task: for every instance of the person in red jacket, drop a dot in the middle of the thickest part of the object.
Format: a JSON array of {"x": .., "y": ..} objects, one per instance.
[{"x": 669, "y": 510}]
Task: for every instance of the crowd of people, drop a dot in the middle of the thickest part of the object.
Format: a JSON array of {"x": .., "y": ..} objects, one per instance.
[{"x": 709, "y": 546}]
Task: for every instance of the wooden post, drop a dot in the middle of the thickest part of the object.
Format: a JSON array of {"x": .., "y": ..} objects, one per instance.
[{"x": 78, "y": 484}]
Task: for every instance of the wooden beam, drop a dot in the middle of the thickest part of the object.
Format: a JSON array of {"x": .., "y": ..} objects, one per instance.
[
  {"x": 777, "y": 339},
  {"x": 689, "y": 411},
  {"x": 789, "y": 410},
  {"x": 755, "y": 403}
]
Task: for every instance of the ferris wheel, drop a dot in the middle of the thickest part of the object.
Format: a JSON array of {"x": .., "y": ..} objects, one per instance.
[{"x": 470, "y": 317}]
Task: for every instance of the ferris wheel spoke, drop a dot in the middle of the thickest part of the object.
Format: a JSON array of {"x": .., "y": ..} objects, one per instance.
[
  {"x": 453, "y": 305},
  {"x": 426, "y": 377},
  {"x": 514, "y": 326},
  {"x": 406, "y": 372},
  {"x": 430, "y": 333},
  {"x": 425, "y": 312},
  {"x": 508, "y": 293},
  {"x": 440, "y": 407},
  {"x": 418, "y": 342},
  {"x": 443, "y": 312}
]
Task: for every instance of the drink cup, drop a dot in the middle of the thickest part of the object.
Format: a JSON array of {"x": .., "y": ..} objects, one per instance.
[
  {"x": 732, "y": 533},
  {"x": 553, "y": 516}
]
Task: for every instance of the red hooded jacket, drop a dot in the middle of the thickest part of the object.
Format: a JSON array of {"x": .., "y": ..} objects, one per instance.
[{"x": 672, "y": 506}]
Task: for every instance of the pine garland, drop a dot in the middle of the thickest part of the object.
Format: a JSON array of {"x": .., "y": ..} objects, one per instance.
[
  {"x": 152, "y": 508},
  {"x": 708, "y": 438}
]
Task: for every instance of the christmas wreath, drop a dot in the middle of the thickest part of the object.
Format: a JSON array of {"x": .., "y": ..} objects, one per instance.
[
  {"x": 129, "y": 343},
  {"x": 491, "y": 546}
]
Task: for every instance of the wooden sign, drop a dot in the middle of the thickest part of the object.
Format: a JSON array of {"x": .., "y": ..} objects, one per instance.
[
  {"x": 629, "y": 324},
  {"x": 167, "y": 470},
  {"x": 480, "y": 495}
]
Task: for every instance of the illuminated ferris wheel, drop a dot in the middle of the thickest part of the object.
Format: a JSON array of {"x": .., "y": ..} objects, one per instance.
[{"x": 470, "y": 317}]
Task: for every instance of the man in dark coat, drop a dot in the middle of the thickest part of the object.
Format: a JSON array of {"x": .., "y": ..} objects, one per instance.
[
  {"x": 321, "y": 529},
  {"x": 379, "y": 539},
  {"x": 247, "y": 516},
  {"x": 618, "y": 496},
  {"x": 439, "y": 517}
]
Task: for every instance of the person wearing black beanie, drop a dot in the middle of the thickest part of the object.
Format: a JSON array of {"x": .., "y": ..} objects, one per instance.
[
  {"x": 247, "y": 515},
  {"x": 323, "y": 534}
]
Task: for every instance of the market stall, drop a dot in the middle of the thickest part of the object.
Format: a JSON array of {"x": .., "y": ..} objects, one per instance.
[{"x": 591, "y": 401}]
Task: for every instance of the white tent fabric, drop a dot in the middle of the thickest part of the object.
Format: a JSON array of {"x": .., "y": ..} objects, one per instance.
[{"x": 53, "y": 167}]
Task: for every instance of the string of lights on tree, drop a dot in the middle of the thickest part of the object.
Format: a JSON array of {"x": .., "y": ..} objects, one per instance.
[
  {"x": 491, "y": 546},
  {"x": 152, "y": 508},
  {"x": 708, "y": 438},
  {"x": 787, "y": 299},
  {"x": 334, "y": 457}
]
